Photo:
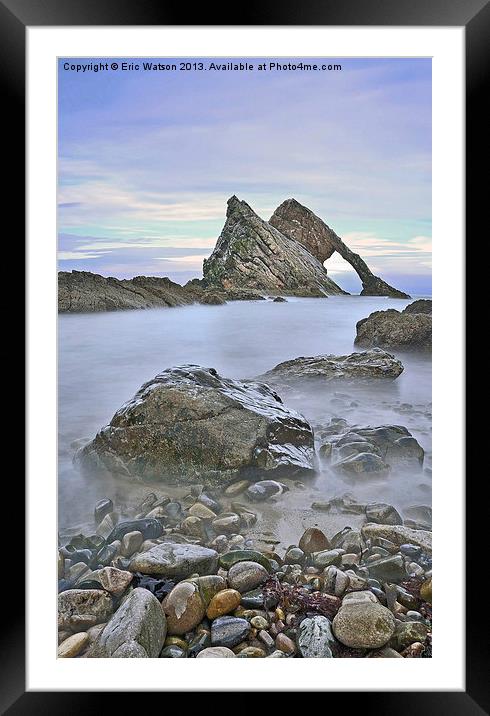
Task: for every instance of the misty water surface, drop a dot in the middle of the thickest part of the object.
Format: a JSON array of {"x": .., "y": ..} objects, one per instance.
[{"x": 104, "y": 358}]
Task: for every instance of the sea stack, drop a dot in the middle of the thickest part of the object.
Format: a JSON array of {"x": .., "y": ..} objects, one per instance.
[{"x": 250, "y": 253}]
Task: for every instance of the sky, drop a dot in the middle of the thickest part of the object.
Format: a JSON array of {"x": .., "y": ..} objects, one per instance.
[{"x": 147, "y": 161}]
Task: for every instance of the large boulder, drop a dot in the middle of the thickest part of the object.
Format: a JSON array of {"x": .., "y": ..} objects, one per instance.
[
  {"x": 299, "y": 223},
  {"x": 83, "y": 292},
  {"x": 395, "y": 330},
  {"x": 250, "y": 253},
  {"x": 190, "y": 424},
  {"x": 365, "y": 365},
  {"x": 137, "y": 630}
]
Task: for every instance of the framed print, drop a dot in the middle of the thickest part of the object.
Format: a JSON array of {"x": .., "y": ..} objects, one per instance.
[{"x": 245, "y": 351}]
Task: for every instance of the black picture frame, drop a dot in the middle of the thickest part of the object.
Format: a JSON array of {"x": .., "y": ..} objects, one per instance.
[{"x": 474, "y": 15}]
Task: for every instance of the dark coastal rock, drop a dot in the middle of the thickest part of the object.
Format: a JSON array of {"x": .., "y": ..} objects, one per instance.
[
  {"x": 361, "y": 465},
  {"x": 362, "y": 449},
  {"x": 175, "y": 560},
  {"x": 394, "y": 330},
  {"x": 190, "y": 424},
  {"x": 137, "y": 630},
  {"x": 423, "y": 305},
  {"x": 212, "y": 298},
  {"x": 83, "y": 292},
  {"x": 299, "y": 223},
  {"x": 250, "y": 253},
  {"x": 102, "y": 509},
  {"x": 148, "y": 527},
  {"x": 383, "y": 514},
  {"x": 263, "y": 490},
  {"x": 366, "y": 365}
]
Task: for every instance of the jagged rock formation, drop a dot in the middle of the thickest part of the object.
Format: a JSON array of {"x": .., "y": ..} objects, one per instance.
[
  {"x": 82, "y": 291},
  {"x": 189, "y": 424},
  {"x": 367, "y": 365},
  {"x": 405, "y": 331},
  {"x": 250, "y": 253},
  {"x": 299, "y": 223}
]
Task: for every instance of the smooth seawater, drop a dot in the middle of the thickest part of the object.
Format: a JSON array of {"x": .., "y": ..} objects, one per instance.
[{"x": 105, "y": 357}]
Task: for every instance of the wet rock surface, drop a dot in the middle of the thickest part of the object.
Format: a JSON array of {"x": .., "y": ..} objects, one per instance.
[
  {"x": 395, "y": 330},
  {"x": 190, "y": 423},
  {"x": 367, "y": 365},
  {"x": 358, "y": 592},
  {"x": 137, "y": 629}
]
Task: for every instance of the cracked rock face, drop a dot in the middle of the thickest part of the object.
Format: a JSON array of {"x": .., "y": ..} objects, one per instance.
[
  {"x": 190, "y": 424},
  {"x": 405, "y": 331},
  {"x": 366, "y": 365},
  {"x": 299, "y": 223},
  {"x": 250, "y": 253}
]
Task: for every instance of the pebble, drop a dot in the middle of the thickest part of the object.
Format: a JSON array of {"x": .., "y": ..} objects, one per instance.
[
  {"x": 383, "y": 514},
  {"x": 244, "y": 555},
  {"x": 82, "y": 608},
  {"x": 315, "y": 638},
  {"x": 251, "y": 652},
  {"x": 294, "y": 555},
  {"x": 115, "y": 581},
  {"x": 175, "y": 560},
  {"x": 102, "y": 508},
  {"x": 173, "y": 652},
  {"x": 364, "y": 625},
  {"x": 130, "y": 543},
  {"x": 259, "y": 622},
  {"x": 223, "y": 603},
  {"x": 245, "y": 576},
  {"x": 388, "y": 569},
  {"x": 407, "y": 633},
  {"x": 266, "y": 638},
  {"x": 209, "y": 586},
  {"x": 184, "y": 608},
  {"x": 216, "y": 652},
  {"x": 229, "y": 631},
  {"x": 105, "y": 527},
  {"x": 285, "y": 644},
  {"x": 236, "y": 488},
  {"x": 201, "y": 511},
  {"x": 325, "y": 558},
  {"x": 263, "y": 490},
  {"x": 227, "y": 522},
  {"x": 73, "y": 645}
]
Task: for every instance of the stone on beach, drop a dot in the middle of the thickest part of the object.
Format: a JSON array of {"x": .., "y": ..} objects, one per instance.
[
  {"x": 137, "y": 629},
  {"x": 190, "y": 423},
  {"x": 175, "y": 560}
]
